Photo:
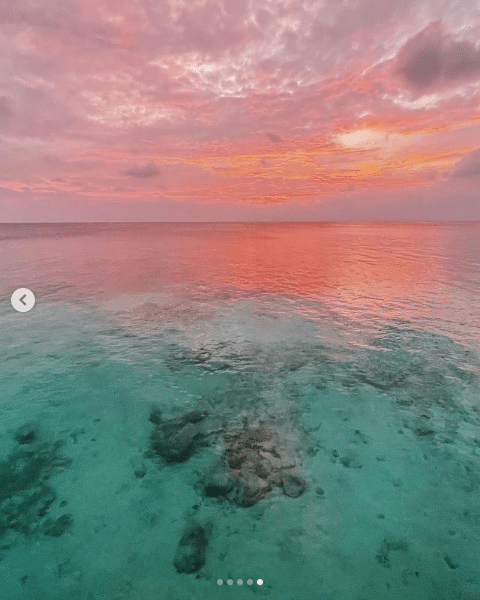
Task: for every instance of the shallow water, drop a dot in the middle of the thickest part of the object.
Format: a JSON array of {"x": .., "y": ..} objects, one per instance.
[{"x": 356, "y": 348}]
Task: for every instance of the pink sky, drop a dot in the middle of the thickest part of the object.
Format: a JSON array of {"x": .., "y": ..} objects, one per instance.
[{"x": 238, "y": 110}]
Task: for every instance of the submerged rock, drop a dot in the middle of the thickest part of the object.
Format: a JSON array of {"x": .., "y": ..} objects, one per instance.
[
  {"x": 293, "y": 485},
  {"x": 190, "y": 555},
  {"x": 26, "y": 434},
  {"x": 250, "y": 488},
  {"x": 450, "y": 562},
  {"x": 177, "y": 446},
  {"x": 155, "y": 416},
  {"x": 140, "y": 472},
  {"x": 255, "y": 463},
  {"x": 219, "y": 483},
  {"x": 59, "y": 526},
  {"x": 25, "y": 496},
  {"x": 23, "y": 512},
  {"x": 176, "y": 439},
  {"x": 194, "y": 416},
  {"x": 255, "y": 459},
  {"x": 423, "y": 431}
]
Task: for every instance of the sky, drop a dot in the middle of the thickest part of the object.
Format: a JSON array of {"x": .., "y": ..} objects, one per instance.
[{"x": 203, "y": 110}]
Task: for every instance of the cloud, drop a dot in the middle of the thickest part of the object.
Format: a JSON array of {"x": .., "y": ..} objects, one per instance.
[
  {"x": 468, "y": 166},
  {"x": 150, "y": 170},
  {"x": 5, "y": 112},
  {"x": 259, "y": 102},
  {"x": 273, "y": 137},
  {"x": 433, "y": 60}
]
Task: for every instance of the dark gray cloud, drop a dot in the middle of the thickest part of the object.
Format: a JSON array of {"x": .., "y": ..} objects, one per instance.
[
  {"x": 462, "y": 60},
  {"x": 432, "y": 59},
  {"x": 468, "y": 166},
  {"x": 150, "y": 170},
  {"x": 273, "y": 137}
]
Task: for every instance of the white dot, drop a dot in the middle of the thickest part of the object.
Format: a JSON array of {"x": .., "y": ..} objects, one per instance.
[
  {"x": 259, "y": 581},
  {"x": 230, "y": 581},
  {"x": 249, "y": 581},
  {"x": 239, "y": 581},
  {"x": 220, "y": 581}
]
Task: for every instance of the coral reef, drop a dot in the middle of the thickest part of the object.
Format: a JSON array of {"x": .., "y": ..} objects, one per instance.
[
  {"x": 25, "y": 495},
  {"x": 177, "y": 439},
  {"x": 255, "y": 460},
  {"x": 259, "y": 460}
]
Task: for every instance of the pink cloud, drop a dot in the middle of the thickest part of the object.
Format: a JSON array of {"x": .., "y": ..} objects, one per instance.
[
  {"x": 469, "y": 165},
  {"x": 237, "y": 106}
]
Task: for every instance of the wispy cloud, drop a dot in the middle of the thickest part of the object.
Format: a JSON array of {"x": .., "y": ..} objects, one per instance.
[
  {"x": 242, "y": 104},
  {"x": 150, "y": 170}
]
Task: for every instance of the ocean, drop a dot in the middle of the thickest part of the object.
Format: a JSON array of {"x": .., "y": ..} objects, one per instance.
[{"x": 216, "y": 410}]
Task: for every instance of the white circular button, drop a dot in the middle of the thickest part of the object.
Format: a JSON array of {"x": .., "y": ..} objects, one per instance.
[{"x": 23, "y": 300}]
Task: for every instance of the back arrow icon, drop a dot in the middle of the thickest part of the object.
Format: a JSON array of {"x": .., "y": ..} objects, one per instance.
[{"x": 23, "y": 300}]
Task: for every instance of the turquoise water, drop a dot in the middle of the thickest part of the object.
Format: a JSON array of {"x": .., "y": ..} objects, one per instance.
[{"x": 346, "y": 357}]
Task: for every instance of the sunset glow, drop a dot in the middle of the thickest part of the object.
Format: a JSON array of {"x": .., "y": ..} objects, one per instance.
[{"x": 267, "y": 110}]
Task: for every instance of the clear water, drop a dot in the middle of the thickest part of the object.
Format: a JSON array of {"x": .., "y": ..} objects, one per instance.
[{"x": 356, "y": 346}]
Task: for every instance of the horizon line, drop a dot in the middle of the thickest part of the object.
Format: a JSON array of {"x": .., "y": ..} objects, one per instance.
[{"x": 340, "y": 222}]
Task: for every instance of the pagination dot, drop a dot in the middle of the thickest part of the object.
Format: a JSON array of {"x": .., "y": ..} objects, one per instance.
[{"x": 239, "y": 581}]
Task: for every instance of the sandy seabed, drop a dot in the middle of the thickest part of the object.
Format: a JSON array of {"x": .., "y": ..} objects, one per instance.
[{"x": 383, "y": 443}]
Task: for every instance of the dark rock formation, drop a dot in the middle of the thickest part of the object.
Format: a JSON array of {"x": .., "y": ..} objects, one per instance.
[
  {"x": 140, "y": 472},
  {"x": 156, "y": 416},
  {"x": 26, "y": 434},
  {"x": 59, "y": 526},
  {"x": 423, "y": 431},
  {"x": 190, "y": 555},
  {"x": 25, "y": 496},
  {"x": 219, "y": 483},
  {"x": 450, "y": 562},
  {"x": 176, "y": 439},
  {"x": 23, "y": 511},
  {"x": 293, "y": 485},
  {"x": 194, "y": 416},
  {"x": 255, "y": 462},
  {"x": 250, "y": 488}
]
